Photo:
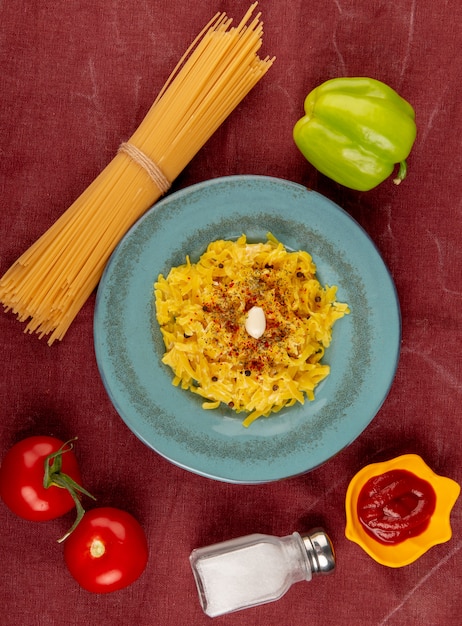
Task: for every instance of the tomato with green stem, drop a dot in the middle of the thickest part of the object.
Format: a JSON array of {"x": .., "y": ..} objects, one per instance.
[
  {"x": 40, "y": 480},
  {"x": 107, "y": 551}
]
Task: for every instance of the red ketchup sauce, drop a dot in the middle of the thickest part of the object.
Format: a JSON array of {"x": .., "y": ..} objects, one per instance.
[{"x": 396, "y": 505}]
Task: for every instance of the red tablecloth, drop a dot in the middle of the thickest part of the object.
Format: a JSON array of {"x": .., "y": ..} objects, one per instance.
[{"x": 76, "y": 78}]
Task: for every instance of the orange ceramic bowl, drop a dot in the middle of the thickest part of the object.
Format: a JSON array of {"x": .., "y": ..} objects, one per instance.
[{"x": 409, "y": 550}]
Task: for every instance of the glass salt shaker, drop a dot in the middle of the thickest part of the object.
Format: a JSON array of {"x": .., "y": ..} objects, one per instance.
[{"x": 256, "y": 569}]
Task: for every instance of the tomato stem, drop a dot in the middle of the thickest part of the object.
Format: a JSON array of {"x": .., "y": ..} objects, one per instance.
[{"x": 53, "y": 476}]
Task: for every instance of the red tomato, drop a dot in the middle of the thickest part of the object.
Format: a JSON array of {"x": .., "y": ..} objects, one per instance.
[
  {"x": 107, "y": 551},
  {"x": 22, "y": 474}
]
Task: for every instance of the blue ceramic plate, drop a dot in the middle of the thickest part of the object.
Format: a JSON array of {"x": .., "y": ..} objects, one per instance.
[{"x": 363, "y": 355}]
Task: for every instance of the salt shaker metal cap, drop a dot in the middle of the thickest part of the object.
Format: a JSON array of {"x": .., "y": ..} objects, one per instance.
[{"x": 320, "y": 551}]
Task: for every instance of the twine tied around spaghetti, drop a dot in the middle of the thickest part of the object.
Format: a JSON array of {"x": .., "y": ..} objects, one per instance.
[{"x": 149, "y": 166}]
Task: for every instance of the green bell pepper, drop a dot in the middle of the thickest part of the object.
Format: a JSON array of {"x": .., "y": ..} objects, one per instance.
[{"x": 355, "y": 130}]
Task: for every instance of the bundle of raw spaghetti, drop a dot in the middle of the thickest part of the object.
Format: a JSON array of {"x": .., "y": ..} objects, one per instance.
[{"x": 48, "y": 285}]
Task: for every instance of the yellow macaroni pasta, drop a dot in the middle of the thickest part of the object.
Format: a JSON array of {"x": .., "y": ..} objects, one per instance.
[{"x": 201, "y": 309}]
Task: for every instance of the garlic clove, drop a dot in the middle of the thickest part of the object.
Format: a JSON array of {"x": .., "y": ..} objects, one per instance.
[{"x": 255, "y": 322}]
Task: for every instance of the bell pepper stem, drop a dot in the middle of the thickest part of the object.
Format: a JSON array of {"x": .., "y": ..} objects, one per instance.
[
  {"x": 53, "y": 476},
  {"x": 401, "y": 173}
]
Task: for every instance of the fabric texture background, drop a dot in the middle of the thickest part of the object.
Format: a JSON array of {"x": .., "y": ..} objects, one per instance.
[{"x": 76, "y": 78}]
